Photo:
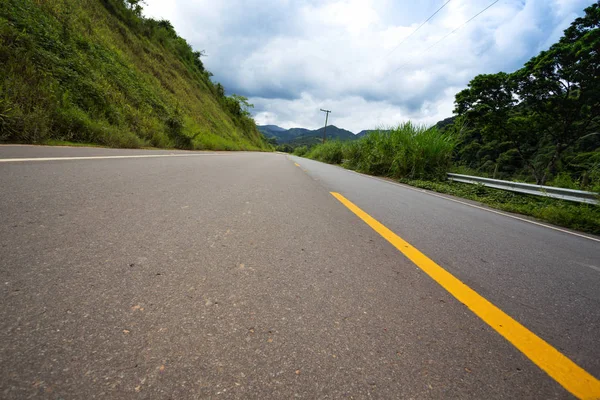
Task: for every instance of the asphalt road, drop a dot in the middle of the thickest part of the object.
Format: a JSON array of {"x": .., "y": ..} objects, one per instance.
[{"x": 238, "y": 275}]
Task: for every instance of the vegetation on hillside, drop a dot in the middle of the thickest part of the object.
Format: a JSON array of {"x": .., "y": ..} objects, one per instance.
[{"x": 97, "y": 71}]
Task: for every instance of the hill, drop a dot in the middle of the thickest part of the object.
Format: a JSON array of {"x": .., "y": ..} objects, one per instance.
[
  {"x": 364, "y": 133},
  {"x": 271, "y": 130},
  {"x": 296, "y": 137},
  {"x": 97, "y": 71},
  {"x": 445, "y": 123},
  {"x": 305, "y": 137}
]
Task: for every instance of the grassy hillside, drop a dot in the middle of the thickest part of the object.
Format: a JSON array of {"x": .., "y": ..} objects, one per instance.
[{"x": 96, "y": 71}]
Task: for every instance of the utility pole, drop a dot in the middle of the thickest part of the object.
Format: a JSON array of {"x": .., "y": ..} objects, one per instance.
[{"x": 325, "y": 129}]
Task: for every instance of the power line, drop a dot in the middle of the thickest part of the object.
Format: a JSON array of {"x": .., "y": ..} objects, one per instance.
[
  {"x": 469, "y": 20},
  {"x": 450, "y": 33},
  {"x": 415, "y": 31}
]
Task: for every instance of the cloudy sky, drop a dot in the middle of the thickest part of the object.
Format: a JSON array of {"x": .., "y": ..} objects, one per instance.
[{"x": 293, "y": 57}]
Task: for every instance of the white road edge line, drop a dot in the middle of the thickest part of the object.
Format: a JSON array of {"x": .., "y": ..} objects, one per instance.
[
  {"x": 470, "y": 205},
  {"x": 481, "y": 208},
  {"x": 103, "y": 157}
]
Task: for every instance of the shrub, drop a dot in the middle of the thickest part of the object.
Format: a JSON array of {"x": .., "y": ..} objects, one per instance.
[
  {"x": 300, "y": 151},
  {"x": 407, "y": 151},
  {"x": 329, "y": 152},
  {"x": 286, "y": 148}
]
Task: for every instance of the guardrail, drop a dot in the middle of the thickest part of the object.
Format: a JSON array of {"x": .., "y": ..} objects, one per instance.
[{"x": 579, "y": 196}]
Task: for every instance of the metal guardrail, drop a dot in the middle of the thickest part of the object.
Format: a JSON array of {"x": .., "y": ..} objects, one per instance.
[{"x": 579, "y": 196}]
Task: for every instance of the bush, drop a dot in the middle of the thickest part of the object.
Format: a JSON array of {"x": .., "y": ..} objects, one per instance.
[
  {"x": 330, "y": 152},
  {"x": 564, "y": 180},
  {"x": 408, "y": 151},
  {"x": 285, "y": 148},
  {"x": 300, "y": 151}
]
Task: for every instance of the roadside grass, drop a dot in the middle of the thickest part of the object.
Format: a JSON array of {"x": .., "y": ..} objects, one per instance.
[
  {"x": 562, "y": 179},
  {"x": 406, "y": 151},
  {"x": 421, "y": 157},
  {"x": 54, "y": 142},
  {"x": 581, "y": 217},
  {"x": 331, "y": 152},
  {"x": 300, "y": 151}
]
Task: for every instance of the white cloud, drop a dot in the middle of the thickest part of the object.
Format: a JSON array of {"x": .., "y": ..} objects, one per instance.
[{"x": 292, "y": 57}]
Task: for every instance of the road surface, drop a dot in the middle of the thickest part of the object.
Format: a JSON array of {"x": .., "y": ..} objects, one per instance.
[{"x": 239, "y": 275}]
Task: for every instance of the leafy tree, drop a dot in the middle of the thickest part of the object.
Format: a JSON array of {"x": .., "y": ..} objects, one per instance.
[
  {"x": 560, "y": 88},
  {"x": 286, "y": 148},
  {"x": 546, "y": 107},
  {"x": 487, "y": 106},
  {"x": 197, "y": 60},
  {"x": 136, "y": 6},
  {"x": 220, "y": 90},
  {"x": 167, "y": 26},
  {"x": 243, "y": 103}
]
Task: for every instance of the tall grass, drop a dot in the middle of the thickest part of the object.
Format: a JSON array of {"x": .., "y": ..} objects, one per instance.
[
  {"x": 407, "y": 151},
  {"x": 300, "y": 151},
  {"x": 331, "y": 152}
]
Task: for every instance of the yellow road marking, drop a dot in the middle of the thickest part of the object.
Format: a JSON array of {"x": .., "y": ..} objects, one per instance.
[
  {"x": 296, "y": 164},
  {"x": 571, "y": 376}
]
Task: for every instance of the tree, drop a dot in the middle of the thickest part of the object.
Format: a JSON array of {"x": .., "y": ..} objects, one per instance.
[
  {"x": 487, "y": 102},
  {"x": 135, "y": 6},
  {"x": 243, "y": 104},
  {"x": 487, "y": 108},
  {"x": 547, "y": 106},
  {"x": 220, "y": 90},
  {"x": 560, "y": 88},
  {"x": 197, "y": 59}
]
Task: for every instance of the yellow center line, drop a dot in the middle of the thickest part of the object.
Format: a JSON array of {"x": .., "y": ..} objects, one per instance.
[
  {"x": 296, "y": 164},
  {"x": 571, "y": 376}
]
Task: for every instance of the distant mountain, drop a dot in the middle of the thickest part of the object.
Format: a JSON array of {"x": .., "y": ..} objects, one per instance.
[
  {"x": 364, "y": 133},
  {"x": 306, "y": 137},
  {"x": 270, "y": 130},
  {"x": 273, "y": 128},
  {"x": 301, "y": 136},
  {"x": 333, "y": 132}
]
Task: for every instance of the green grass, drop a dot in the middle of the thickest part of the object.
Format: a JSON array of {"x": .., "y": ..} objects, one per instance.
[
  {"x": 92, "y": 71},
  {"x": 300, "y": 151},
  {"x": 561, "y": 179},
  {"x": 407, "y": 151},
  {"x": 54, "y": 142},
  {"x": 582, "y": 217},
  {"x": 331, "y": 152}
]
